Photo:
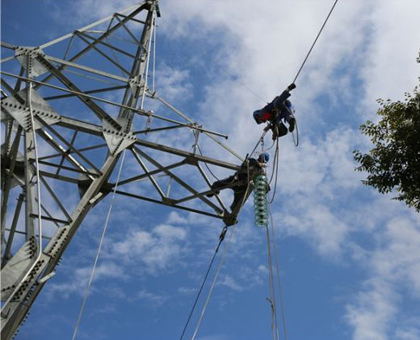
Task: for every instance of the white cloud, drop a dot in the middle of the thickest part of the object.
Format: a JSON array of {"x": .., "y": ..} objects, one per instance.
[
  {"x": 80, "y": 278},
  {"x": 371, "y": 314},
  {"x": 230, "y": 282},
  {"x": 157, "y": 249},
  {"x": 390, "y": 69},
  {"x": 408, "y": 333},
  {"x": 155, "y": 300},
  {"x": 174, "y": 84},
  {"x": 394, "y": 268}
]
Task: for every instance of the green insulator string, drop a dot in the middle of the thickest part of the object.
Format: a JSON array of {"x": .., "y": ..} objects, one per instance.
[{"x": 260, "y": 200}]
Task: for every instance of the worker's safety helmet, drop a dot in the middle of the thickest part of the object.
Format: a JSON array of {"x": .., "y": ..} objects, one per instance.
[
  {"x": 256, "y": 116},
  {"x": 289, "y": 105},
  {"x": 264, "y": 157},
  {"x": 261, "y": 116}
]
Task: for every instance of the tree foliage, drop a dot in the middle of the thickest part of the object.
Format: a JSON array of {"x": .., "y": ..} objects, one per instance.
[{"x": 394, "y": 162}]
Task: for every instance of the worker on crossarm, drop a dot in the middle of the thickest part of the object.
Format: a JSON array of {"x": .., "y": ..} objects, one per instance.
[
  {"x": 279, "y": 111},
  {"x": 240, "y": 181}
]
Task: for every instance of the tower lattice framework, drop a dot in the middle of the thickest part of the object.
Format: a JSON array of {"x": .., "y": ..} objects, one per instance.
[{"x": 70, "y": 109}]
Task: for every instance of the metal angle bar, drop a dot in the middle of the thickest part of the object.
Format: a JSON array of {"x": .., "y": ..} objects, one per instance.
[
  {"x": 7, "y": 45},
  {"x": 78, "y": 55},
  {"x": 126, "y": 28},
  {"x": 19, "y": 81},
  {"x": 87, "y": 76},
  {"x": 63, "y": 167},
  {"x": 209, "y": 184},
  {"x": 60, "y": 177},
  {"x": 54, "y": 196},
  {"x": 12, "y": 230},
  {"x": 186, "y": 154},
  {"x": 153, "y": 172},
  {"x": 88, "y": 148},
  {"x": 79, "y": 125},
  {"x": 59, "y": 148},
  {"x": 29, "y": 156},
  {"x": 146, "y": 131},
  {"x": 153, "y": 95},
  {"x": 9, "y": 131},
  {"x": 197, "y": 195},
  {"x": 7, "y": 59},
  {"x": 138, "y": 111},
  {"x": 112, "y": 37},
  {"x": 67, "y": 152},
  {"x": 100, "y": 113},
  {"x": 81, "y": 36},
  {"x": 71, "y": 147},
  {"x": 7, "y": 86},
  {"x": 177, "y": 179},
  {"x": 132, "y": 19},
  {"x": 106, "y": 89},
  {"x": 170, "y": 205},
  {"x": 86, "y": 68},
  {"x": 146, "y": 170},
  {"x": 48, "y": 217},
  {"x": 70, "y": 44},
  {"x": 112, "y": 47},
  {"x": 23, "y": 233},
  {"x": 9, "y": 179},
  {"x": 137, "y": 71},
  {"x": 55, "y": 41}
]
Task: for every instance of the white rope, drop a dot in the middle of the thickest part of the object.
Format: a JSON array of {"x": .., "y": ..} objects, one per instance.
[
  {"x": 99, "y": 250},
  {"x": 275, "y": 327},
  {"x": 154, "y": 54},
  {"x": 280, "y": 286},
  {"x": 213, "y": 283},
  {"x": 149, "y": 47}
]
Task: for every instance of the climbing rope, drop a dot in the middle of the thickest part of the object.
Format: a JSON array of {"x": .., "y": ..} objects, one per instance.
[
  {"x": 206, "y": 165},
  {"x": 99, "y": 249},
  {"x": 213, "y": 283},
  {"x": 316, "y": 39},
  {"x": 280, "y": 287},
  {"x": 272, "y": 299},
  {"x": 260, "y": 140},
  {"x": 275, "y": 171},
  {"x": 296, "y": 141},
  {"x": 221, "y": 238}
]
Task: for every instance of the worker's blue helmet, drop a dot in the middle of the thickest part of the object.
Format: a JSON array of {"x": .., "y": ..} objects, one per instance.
[
  {"x": 256, "y": 116},
  {"x": 264, "y": 157},
  {"x": 289, "y": 105}
]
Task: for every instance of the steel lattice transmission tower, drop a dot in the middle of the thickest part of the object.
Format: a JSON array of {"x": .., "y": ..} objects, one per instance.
[{"x": 70, "y": 108}]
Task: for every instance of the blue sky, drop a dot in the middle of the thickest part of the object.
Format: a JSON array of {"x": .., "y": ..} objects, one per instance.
[{"x": 349, "y": 257}]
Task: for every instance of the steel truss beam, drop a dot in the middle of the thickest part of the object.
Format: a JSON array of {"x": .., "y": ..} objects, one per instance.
[{"x": 79, "y": 150}]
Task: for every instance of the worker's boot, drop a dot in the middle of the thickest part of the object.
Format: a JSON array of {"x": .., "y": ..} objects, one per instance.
[
  {"x": 279, "y": 130},
  {"x": 292, "y": 123}
]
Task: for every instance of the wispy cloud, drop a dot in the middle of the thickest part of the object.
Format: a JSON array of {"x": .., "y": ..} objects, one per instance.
[
  {"x": 157, "y": 250},
  {"x": 393, "y": 268}
]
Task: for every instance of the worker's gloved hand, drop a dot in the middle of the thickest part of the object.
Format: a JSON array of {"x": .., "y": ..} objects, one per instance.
[{"x": 291, "y": 87}]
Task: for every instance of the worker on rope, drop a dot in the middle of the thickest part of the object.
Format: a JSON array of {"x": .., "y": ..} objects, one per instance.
[
  {"x": 277, "y": 112},
  {"x": 240, "y": 181}
]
